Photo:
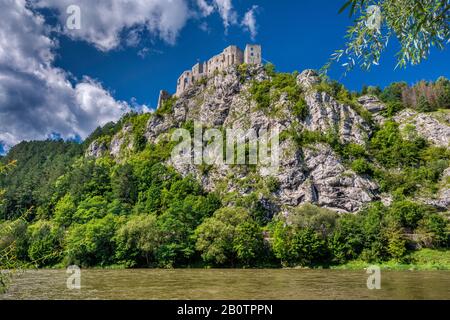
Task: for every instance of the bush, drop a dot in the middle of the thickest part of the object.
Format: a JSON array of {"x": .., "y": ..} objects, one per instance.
[
  {"x": 46, "y": 243},
  {"x": 295, "y": 246},
  {"x": 392, "y": 150},
  {"x": 137, "y": 241},
  {"x": 65, "y": 210},
  {"x": 300, "y": 109},
  {"x": 13, "y": 242},
  {"x": 230, "y": 235},
  {"x": 407, "y": 213},
  {"x": 92, "y": 243},
  {"x": 361, "y": 166},
  {"x": 434, "y": 230},
  {"x": 167, "y": 106}
]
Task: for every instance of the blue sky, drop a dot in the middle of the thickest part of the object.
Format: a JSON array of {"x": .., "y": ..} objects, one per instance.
[
  {"x": 295, "y": 35},
  {"x": 58, "y": 82}
]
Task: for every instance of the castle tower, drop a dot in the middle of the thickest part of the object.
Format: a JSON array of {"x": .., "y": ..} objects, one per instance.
[
  {"x": 252, "y": 54},
  {"x": 184, "y": 82},
  {"x": 163, "y": 96}
]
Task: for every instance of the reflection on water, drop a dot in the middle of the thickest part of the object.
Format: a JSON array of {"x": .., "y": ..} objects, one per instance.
[{"x": 229, "y": 284}]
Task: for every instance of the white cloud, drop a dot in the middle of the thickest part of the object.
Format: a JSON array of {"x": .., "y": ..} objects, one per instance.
[
  {"x": 249, "y": 22},
  {"x": 205, "y": 8},
  {"x": 102, "y": 21},
  {"x": 223, "y": 7},
  {"x": 37, "y": 99}
]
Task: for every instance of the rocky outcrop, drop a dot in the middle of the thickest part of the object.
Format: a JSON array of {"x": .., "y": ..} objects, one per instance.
[
  {"x": 96, "y": 149},
  {"x": 318, "y": 176},
  {"x": 442, "y": 197},
  {"x": 120, "y": 139},
  {"x": 313, "y": 174},
  {"x": 372, "y": 103},
  {"x": 308, "y": 79},
  {"x": 426, "y": 126},
  {"x": 326, "y": 114}
]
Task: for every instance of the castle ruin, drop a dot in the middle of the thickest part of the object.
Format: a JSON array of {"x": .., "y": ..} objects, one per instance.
[{"x": 231, "y": 56}]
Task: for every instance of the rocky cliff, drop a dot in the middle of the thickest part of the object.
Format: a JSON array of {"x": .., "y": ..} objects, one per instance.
[{"x": 311, "y": 171}]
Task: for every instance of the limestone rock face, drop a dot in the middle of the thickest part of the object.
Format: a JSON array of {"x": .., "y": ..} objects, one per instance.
[
  {"x": 305, "y": 174},
  {"x": 121, "y": 140},
  {"x": 307, "y": 79},
  {"x": 442, "y": 198},
  {"x": 426, "y": 126},
  {"x": 326, "y": 114},
  {"x": 96, "y": 149},
  {"x": 371, "y": 103}
]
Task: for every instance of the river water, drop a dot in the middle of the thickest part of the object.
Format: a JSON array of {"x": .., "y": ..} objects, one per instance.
[{"x": 229, "y": 284}]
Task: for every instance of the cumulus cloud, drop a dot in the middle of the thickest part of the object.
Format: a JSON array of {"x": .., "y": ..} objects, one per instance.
[
  {"x": 223, "y": 7},
  {"x": 103, "y": 21},
  {"x": 249, "y": 22},
  {"x": 37, "y": 99}
]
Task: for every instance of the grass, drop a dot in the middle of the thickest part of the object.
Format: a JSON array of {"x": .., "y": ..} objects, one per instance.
[{"x": 425, "y": 259}]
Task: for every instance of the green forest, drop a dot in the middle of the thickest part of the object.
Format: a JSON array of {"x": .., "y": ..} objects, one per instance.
[{"x": 59, "y": 207}]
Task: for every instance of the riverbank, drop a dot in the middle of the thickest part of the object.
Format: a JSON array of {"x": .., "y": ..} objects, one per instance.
[{"x": 423, "y": 260}]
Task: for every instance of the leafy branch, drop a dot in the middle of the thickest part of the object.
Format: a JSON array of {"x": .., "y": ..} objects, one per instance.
[{"x": 418, "y": 25}]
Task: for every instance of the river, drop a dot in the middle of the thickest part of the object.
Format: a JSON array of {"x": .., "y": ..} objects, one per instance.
[{"x": 229, "y": 284}]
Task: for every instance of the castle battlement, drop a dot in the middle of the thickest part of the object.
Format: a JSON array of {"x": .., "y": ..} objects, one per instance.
[{"x": 231, "y": 56}]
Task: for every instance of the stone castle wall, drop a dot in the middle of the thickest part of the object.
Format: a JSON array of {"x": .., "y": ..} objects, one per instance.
[{"x": 231, "y": 56}]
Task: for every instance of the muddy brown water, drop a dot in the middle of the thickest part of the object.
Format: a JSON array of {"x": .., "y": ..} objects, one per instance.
[{"x": 226, "y": 284}]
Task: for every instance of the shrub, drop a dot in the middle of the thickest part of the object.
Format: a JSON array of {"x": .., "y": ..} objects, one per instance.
[
  {"x": 65, "y": 210},
  {"x": 407, "y": 213},
  {"x": 435, "y": 232},
  {"x": 92, "y": 243},
  {"x": 230, "y": 235},
  {"x": 166, "y": 106},
  {"x": 45, "y": 243},
  {"x": 137, "y": 240},
  {"x": 294, "y": 246},
  {"x": 300, "y": 109},
  {"x": 361, "y": 166}
]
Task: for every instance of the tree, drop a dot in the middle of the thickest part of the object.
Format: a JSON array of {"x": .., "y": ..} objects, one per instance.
[
  {"x": 13, "y": 243},
  {"x": 45, "y": 243},
  {"x": 90, "y": 208},
  {"x": 92, "y": 243},
  {"x": 248, "y": 242},
  {"x": 137, "y": 240},
  {"x": 434, "y": 230},
  {"x": 346, "y": 242},
  {"x": 298, "y": 246},
  {"x": 418, "y": 25},
  {"x": 407, "y": 213},
  {"x": 124, "y": 184},
  {"x": 65, "y": 210},
  {"x": 230, "y": 235}
]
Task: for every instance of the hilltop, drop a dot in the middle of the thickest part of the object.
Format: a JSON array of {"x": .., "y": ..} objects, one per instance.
[{"x": 361, "y": 175}]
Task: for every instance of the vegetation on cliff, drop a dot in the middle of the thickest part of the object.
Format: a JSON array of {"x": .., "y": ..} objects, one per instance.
[{"x": 137, "y": 211}]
